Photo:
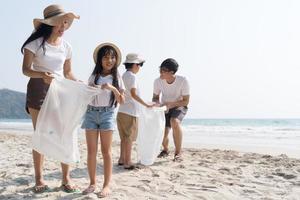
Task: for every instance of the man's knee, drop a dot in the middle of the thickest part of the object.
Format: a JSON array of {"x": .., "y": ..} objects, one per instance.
[{"x": 175, "y": 123}]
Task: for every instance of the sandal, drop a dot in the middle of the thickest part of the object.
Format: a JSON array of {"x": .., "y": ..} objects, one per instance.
[
  {"x": 89, "y": 190},
  {"x": 130, "y": 167},
  {"x": 163, "y": 154},
  {"x": 38, "y": 189},
  {"x": 69, "y": 189},
  {"x": 103, "y": 193}
]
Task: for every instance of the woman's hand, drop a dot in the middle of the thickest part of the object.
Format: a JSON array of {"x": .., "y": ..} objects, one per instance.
[{"x": 47, "y": 77}]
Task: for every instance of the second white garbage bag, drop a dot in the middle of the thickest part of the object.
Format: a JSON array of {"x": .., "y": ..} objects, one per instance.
[
  {"x": 151, "y": 126},
  {"x": 59, "y": 119}
]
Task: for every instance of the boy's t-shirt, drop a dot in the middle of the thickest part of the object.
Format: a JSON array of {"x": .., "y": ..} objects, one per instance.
[{"x": 130, "y": 106}]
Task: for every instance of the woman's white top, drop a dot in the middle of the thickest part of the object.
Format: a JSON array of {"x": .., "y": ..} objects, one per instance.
[{"x": 52, "y": 59}]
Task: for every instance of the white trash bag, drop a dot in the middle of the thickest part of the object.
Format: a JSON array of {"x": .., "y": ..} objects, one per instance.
[
  {"x": 151, "y": 126},
  {"x": 59, "y": 119}
]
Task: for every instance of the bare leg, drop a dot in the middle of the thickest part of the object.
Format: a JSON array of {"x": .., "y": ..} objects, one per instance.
[
  {"x": 127, "y": 149},
  {"x": 177, "y": 135},
  {"x": 65, "y": 173},
  {"x": 92, "y": 137},
  {"x": 38, "y": 159},
  {"x": 165, "y": 142},
  {"x": 106, "y": 142},
  {"x": 122, "y": 150}
]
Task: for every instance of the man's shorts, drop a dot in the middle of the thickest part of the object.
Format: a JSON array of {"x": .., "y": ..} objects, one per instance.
[
  {"x": 127, "y": 126},
  {"x": 177, "y": 112}
]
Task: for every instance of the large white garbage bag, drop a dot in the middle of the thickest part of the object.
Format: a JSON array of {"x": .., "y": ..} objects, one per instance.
[
  {"x": 59, "y": 119},
  {"x": 151, "y": 125}
]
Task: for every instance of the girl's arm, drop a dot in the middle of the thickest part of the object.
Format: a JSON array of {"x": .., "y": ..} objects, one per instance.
[
  {"x": 119, "y": 95},
  {"x": 27, "y": 71}
]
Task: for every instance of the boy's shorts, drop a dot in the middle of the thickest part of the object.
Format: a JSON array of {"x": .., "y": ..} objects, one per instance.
[{"x": 127, "y": 126}]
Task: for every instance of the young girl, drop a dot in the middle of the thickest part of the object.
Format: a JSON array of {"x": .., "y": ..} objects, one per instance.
[
  {"x": 46, "y": 54},
  {"x": 99, "y": 118}
]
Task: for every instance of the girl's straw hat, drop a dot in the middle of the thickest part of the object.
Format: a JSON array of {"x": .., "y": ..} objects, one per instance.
[
  {"x": 119, "y": 57},
  {"x": 54, "y": 15}
]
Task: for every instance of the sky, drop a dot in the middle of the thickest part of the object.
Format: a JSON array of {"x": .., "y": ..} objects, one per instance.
[{"x": 241, "y": 58}]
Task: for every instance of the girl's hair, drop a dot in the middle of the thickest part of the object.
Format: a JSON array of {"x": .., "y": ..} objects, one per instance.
[
  {"x": 43, "y": 31},
  {"x": 98, "y": 70}
]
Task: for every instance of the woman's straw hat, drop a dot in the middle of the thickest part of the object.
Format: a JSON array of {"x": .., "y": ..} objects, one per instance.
[
  {"x": 54, "y": 15},
  {"x": 119, "y": 56}
]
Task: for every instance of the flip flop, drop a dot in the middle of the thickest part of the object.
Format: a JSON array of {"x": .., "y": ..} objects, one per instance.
[
  {"x": 120, "y": 164},
  {"x": 130, "y": 167},
  {"x": 163, "y": 154},
  {"x": 89, "y": 190},
  {"x": 69, "y": 189},
  {"x": 38, "y": 189}
]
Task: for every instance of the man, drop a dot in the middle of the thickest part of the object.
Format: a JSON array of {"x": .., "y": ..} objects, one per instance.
[
  {"x": 175, "y": 95},
  {"x": 127, "y": 118}
]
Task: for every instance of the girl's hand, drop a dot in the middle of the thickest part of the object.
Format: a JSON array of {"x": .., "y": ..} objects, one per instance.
[
  {"x": 47, "y": 77},
  {"x": 107, "y": 86}
]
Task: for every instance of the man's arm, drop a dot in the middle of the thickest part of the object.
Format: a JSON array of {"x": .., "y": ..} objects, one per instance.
[
  {"x": 155, "y": 98},
  {"x": 184, "y": 102}
]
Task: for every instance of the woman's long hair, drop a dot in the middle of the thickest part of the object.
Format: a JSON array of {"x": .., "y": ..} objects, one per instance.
[
  {"x": 98, "y": 70},
  {"x": 43, "y": 31}
]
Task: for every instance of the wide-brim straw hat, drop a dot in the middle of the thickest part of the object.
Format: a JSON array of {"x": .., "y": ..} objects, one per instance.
[
  {"x": 54, "y": 15},
  {"x": 119, "y": 56}
]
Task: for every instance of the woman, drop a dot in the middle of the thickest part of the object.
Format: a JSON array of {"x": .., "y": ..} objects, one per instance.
[
  {"x": 99, "y": 118},
  {"x": 47, "y": 55}
]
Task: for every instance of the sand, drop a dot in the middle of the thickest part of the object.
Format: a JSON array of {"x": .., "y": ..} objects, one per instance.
[{"x": 203, "y": 174}]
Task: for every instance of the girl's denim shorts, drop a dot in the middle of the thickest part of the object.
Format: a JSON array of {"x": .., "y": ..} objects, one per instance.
[{"x": 99, "y": 118}]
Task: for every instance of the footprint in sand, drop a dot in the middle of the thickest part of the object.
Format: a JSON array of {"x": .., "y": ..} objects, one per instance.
[
  {"x": 24, "y": 165},
  {"x": 285, "y": 176},
  {"x": 174, "y": 177}
]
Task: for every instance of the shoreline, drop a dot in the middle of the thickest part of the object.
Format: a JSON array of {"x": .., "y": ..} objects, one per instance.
[
  {"x": 203, "y": 174},
  {"x": 268, "y": 145}
]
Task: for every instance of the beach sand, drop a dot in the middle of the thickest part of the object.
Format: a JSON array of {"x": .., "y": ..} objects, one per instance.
[{"x": 203, "y": 174}]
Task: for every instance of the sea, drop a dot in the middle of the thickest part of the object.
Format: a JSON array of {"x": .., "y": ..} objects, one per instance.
[{"x": 265, "y": 136}]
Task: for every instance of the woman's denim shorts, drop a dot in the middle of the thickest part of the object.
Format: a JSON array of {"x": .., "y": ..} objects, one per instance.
[{"x": 99, "y": 118}]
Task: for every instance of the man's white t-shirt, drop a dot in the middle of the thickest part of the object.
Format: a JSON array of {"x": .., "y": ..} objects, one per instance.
[
  {"x": 103, "y": 98},
  {"x": 130, "y": 106},
  {"x": 52, "y": 59},
  {"x": 171, "y": 92}
]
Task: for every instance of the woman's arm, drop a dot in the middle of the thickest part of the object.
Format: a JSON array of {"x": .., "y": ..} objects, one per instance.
[
  {"x": 27, "y": 71},
  {"x": 68, "y": 70}
]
